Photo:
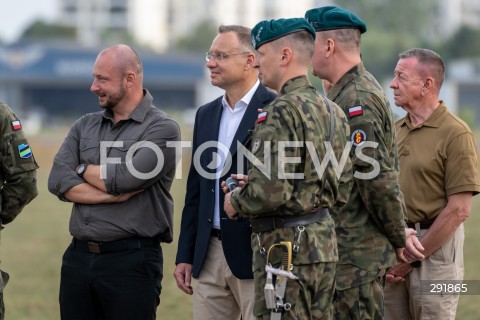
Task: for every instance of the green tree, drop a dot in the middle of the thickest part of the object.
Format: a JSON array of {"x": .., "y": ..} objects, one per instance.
[
  {"x": 199, "y": 40},
  {"x": 392, "y": 27},
  {"x": 111, "y": 37},
  {"x": 41, "y": 30},
  {"x": 465, "y": 43}
]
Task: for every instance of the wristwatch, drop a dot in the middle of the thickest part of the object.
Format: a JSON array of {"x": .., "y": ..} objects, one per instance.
[{"x": 81, "y": 169}]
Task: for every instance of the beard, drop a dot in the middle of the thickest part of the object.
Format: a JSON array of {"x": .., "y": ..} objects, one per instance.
[{"x": 113, "y": 99}]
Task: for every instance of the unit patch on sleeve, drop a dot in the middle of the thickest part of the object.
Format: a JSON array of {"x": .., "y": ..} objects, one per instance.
[
  {"x": 358, "y": 137},
  {"x": 24, "y": 151},
  {"x": 355, "y": 111}
]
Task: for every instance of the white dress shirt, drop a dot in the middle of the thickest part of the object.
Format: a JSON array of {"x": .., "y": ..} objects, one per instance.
[{"x": 231, "y": 118}]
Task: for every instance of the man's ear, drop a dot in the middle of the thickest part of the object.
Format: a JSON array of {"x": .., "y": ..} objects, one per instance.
[
  {"x": 130, "y": 78},
  {"x": 250, "y": 63},
  {"x": 330, "y": 47},
  {"x": 287, "y": 54},
  {"x": 428, "y": 83}
]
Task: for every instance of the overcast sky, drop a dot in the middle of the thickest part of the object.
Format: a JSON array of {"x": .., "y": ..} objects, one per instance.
[{"x": 16, "y": 15}]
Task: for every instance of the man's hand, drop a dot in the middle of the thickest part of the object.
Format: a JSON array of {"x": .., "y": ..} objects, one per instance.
[
  {"x": 241, "y": 178},
  {"x": 398, "y": 272},
  {"x": 183, "y": 277},
  {"x": 413, "y": 250},
  {"x": 227, "y": 206}
]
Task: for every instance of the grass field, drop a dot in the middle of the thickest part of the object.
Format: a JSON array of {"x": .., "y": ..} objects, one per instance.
[{"x": 32, "y": 248}]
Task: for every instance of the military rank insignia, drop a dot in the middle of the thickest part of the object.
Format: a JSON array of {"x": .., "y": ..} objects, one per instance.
[
  {"x": 24, "y": 151},
  {"x": 262, "y": 116},
  {"x": 358, "y": 137},
  {"x": 355, "y": 111},
  {"x": 16, "y": 125},
  {"x": 256, "y": 145}
]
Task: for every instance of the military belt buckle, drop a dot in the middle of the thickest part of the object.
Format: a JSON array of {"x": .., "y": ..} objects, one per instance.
[{"x": 93, "y": 247}]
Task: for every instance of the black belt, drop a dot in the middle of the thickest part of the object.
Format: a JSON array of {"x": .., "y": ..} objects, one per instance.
[
  {"x": 113, "y": 246},
  {"x": 272, "y": 223},
  {"x": 216, "y": 233},
  {"x": 423, "y": 224}
]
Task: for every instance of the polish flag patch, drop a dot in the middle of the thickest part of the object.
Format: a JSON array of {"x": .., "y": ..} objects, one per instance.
[
  {"x": 16, "y": 125},
  {"x": 355, "y": 111},
  {"x": 262, "y": 116}
]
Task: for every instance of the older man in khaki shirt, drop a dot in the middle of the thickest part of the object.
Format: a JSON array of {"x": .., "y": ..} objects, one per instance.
[{"x": 438, "y": 177}]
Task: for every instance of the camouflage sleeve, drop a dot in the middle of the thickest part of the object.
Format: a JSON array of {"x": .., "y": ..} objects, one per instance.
[
  {"x": 18, "y": 167},
  {"x": 269, "y": 187},
  {"x": 342, "y": 135},
  {"x": 380, "y": 190}
]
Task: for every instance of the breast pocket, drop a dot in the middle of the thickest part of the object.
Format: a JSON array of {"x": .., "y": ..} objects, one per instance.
[
  {"x": 120, "y": 149},
  {"x": 89, "y": 151}
]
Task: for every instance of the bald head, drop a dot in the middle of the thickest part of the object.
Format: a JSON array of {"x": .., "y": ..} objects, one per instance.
[
  {"x": 123, "y": 59},
  {"x": 118, "y": 79}
]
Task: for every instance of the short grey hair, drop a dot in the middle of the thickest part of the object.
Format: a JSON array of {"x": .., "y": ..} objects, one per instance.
[
  {"x": 429, "y": 59},
  {"x": 243, "y": 34}
]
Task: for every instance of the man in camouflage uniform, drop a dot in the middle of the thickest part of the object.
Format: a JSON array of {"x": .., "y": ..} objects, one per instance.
[
  {"x": 370, "y": 227},
  {"x": 18, "y": 183},
  {"x": 289, "y": 203}
]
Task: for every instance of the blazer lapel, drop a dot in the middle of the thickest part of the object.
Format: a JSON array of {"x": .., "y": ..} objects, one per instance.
[
  {"x": 244, "y": 131},
  {"x": 213, "y": 122}
]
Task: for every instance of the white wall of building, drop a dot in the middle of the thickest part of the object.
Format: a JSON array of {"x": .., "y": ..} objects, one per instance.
[
  {"x": 149, "y": 23},
  {"x": 453, "y": 14}
]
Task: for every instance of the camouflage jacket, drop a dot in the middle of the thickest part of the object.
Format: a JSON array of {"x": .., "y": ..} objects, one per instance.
[
  {"x": 289, "y": 140},
  {"x": 371, "y": 225},
  {"x": 18, "y": 183}
]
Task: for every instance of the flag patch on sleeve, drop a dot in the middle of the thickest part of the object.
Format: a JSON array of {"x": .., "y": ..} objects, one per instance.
[
  {"x": 16, "y": 125},
  {"x": 262, "y": 116},
  {"x": 355, "y": 111}
]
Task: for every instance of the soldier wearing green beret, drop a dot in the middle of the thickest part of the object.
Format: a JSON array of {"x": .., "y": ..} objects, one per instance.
[
  {"x": 18, "y": 182},
  {"x": 288, "y": 204},
  {"x": 371, "y": 229}
]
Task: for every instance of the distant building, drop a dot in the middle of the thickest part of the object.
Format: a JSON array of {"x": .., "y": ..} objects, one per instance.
[
  {"x": 146, "y": 20},
  {"x": 452, "y": 15},
  {"x": 157, "y": 23},
  {"x": 464, "y": 79},
  {"x": 56, "y": 79}
]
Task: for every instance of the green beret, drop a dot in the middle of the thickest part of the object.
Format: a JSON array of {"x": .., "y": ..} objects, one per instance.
[
  {"x": 266, "y": 31},
  {"x": 331, "y": 18}
]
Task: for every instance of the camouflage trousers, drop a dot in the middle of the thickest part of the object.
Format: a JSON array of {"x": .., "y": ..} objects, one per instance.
[
  {"x": 362, "y": 302},
  {"x": 3, "y": 282},
  {"x": 310, "y": 296}
]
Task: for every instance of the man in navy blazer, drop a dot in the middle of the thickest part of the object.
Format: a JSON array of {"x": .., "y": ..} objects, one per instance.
[{"x": 213, "y": 249}]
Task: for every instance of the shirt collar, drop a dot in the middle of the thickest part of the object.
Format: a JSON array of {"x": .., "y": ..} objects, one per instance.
[
  {"x": 244, "y": 102},
  {"x": 294, "y": 83},
  {"x": 434, "y": 121},
  {"x": 140, "y": 111},
  {"x": 345, "y": 79}
]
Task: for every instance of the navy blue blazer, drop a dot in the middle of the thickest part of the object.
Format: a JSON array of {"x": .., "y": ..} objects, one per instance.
[{"x": 197, "y": 216}]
